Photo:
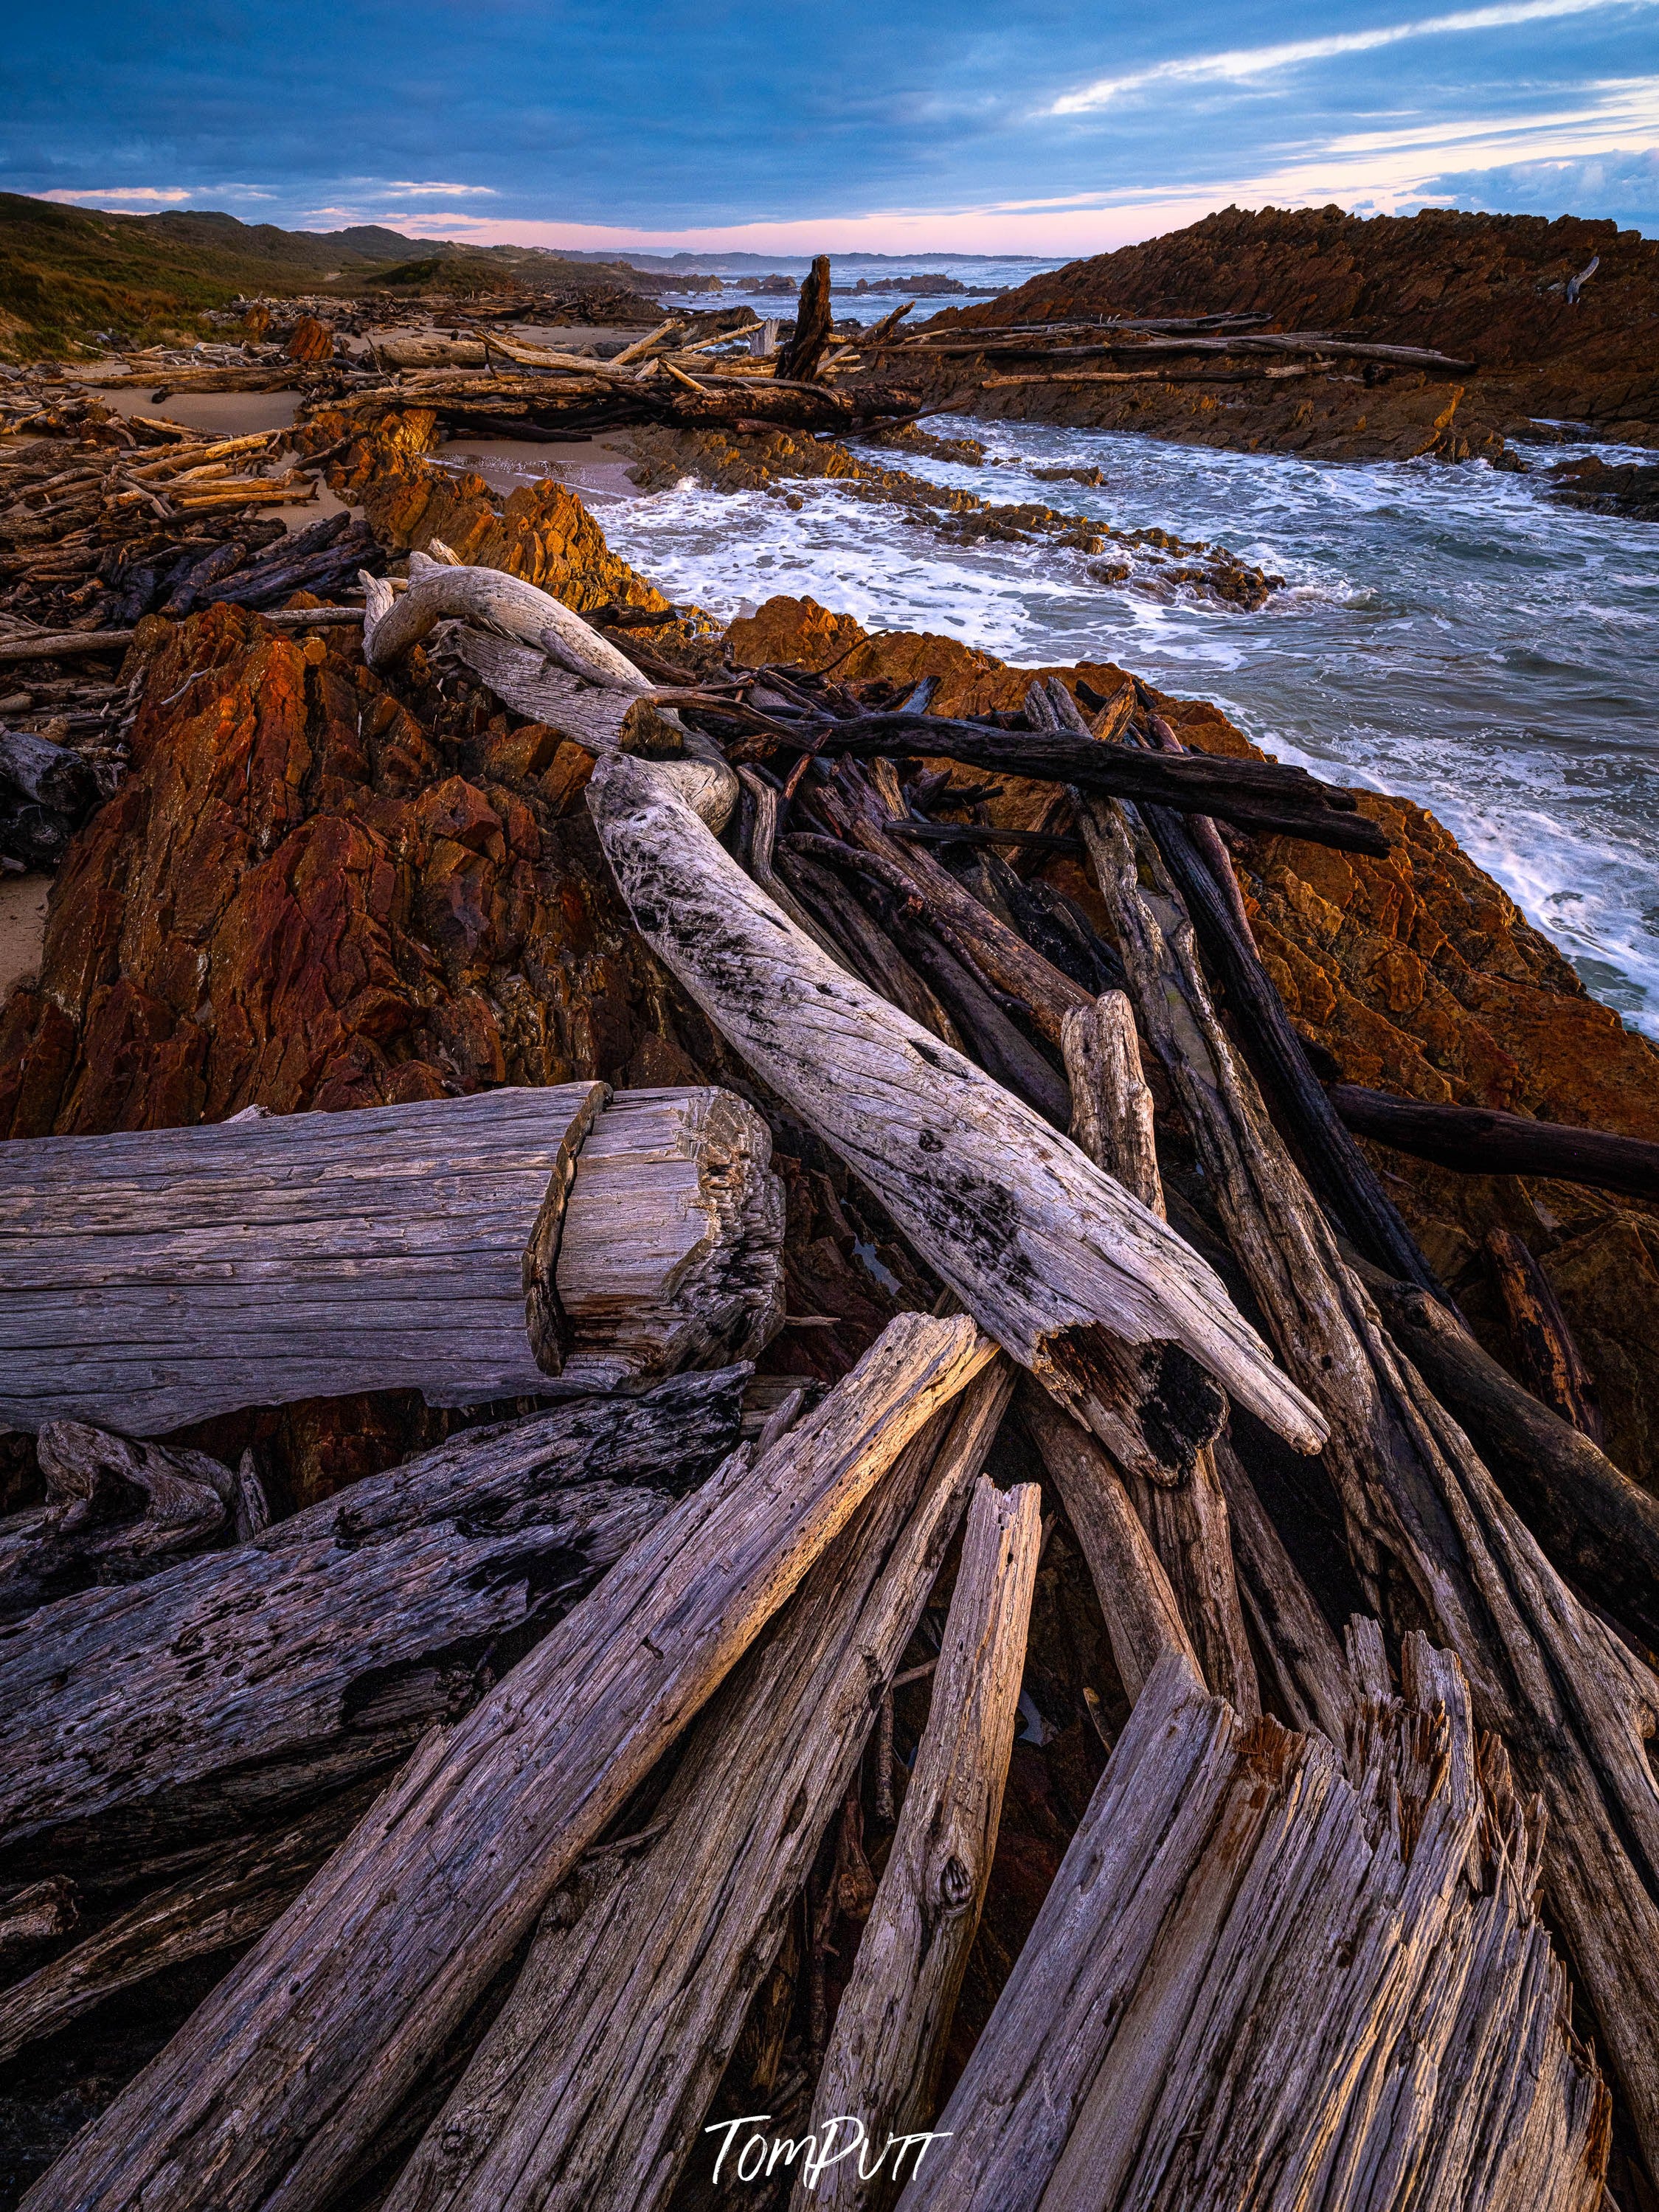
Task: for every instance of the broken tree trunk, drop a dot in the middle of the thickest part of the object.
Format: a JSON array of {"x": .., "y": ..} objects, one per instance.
[
  {"x": 1573, "y": 1705},
  {"x": 387, "y": 1949},
  {"x": 656, "y": 1985},
  {"x": 1267, "y": 1973},
  {"x": 1481, "y": 1141},
  {"x": 238, "y": 1677},
  {"x": 813, "y": 316},
  {"x": 882, "y": 2066},
  {"x": 1047, "y": 1251},
  {"x": 1183, "y": 1510},
  {"x": 458, "y": 1247}
]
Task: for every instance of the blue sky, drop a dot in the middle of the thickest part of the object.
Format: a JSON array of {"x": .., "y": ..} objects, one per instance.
[{"x": 788, "y": 125}]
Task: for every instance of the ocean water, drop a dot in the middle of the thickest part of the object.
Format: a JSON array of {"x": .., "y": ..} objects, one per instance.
[
  {"x": 1450, "y": 636},
  {"x": 989, "y": 277}
]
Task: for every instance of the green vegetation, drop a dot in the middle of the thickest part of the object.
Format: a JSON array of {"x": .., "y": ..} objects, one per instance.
[{"x": 68, "y": 274}]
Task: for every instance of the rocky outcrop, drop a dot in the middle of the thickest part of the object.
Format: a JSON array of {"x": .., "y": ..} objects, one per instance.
[
  {"x": 1419, "y": 974},
  {"x": 1608, "y": 488},
  {"x": 1497, "y": 290}
]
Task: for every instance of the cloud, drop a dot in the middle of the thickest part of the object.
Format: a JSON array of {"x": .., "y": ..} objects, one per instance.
[
  {"x": 1622, "y": 184},
  {"x": 150, "y": 195},
  {"x": 455, "y": 191},
  {"x": 1241, "y": 64}
]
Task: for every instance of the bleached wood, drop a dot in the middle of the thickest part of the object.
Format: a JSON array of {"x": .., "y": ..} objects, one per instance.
[
  {"x": 1302, "y": 1662},
  {"x": 1033, "y": 1238},
  {"x": 657, "y": 1985},
  {"x": 282, "y": 2076},
  {"x": 1573, "y": 1705},
  {"x": 494, "y": 600},
  {"x": 1185, "y": 1512},
  {"x": 1267, "y": 1974},
  {"x": 886, "y": 2048},
  {"x": 161, "y": 1277},
  {"x": 270, "y": 1651}
]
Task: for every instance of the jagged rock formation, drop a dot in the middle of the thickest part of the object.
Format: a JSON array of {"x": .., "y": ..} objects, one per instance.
[{"x": 1490, "y": 288}]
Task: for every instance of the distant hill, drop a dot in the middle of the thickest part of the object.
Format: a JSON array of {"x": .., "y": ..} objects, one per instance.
[{"x": 69, "y": 274}]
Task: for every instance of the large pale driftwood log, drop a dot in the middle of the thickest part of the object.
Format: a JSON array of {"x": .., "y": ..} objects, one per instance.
[
  {"x": 1046, "y": 1250},
  {"x": 880, "y": 2072},
  {"x": 656, "y": 1985},
  {"x": 494, "y": 600},
  {"x": 1265, "y": 1975},
  {"x": 1599, "y": 1526},
  {"x": 339, "y": 1632},
  {"x": 1574, "y": 1707},
  {"x": 1184, "y": 1510},
  {"x": 158, "y": 1277},
  {"x": 231, "y": 1895},
  {"x": 276, "y": 2082}
]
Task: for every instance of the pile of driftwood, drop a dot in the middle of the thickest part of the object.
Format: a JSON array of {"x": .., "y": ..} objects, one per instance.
[
  {"x": 1362, "y": 1912},
  {"x": 1218, "y": 349}
]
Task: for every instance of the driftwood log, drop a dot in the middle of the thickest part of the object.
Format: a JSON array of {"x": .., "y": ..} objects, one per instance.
[
  {"x": 1550, "y": 1361},
  {"x": 1262, "y": 1957},
  {"x": 453, "y": 1247},
  {"x": 233, "y": 1682},
  {"x": 386, "y": 1952},
  {"x": 1054, "y": 1259},
  {"x": 880, "y": 2072},
  {"x": 655, "y": 1983},
  {"x": 1260, "y": 795},
  {"x": 1481, "y": 1141},
  {"x": 1427, "y": 1528}
]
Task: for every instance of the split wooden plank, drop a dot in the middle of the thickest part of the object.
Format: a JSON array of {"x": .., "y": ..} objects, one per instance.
[
  {"x": 880, "y": 2072},
  {"x": 286, "y": 2072},
  {"x": 328, "y": 1641},
  {"x": 655, "y": 1986},
  {"x": 1047, "y": 1251},
  {"x": 1425, "y": 1521},
  {"x": 157, "y": 1278},
  {"x": 1260, "y": 1969}
]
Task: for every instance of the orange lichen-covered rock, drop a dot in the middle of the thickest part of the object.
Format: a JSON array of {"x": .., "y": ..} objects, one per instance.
[
  {"x": 310, "y": 340},
  {"x": 300, "y": 898}
]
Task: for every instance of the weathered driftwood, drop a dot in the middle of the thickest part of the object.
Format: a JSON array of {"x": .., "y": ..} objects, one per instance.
[
  {"x": 880, "y": 2073},
  {"x": 1183, "y": 1509},
  {"x": 656, "y": 1985},
  {"x": 1264, "y": 795},
  {"x": 48, "y": 773},
  {"x": 364, "y": 1615},
  {"x": 1045, "y": 1249},
  {"x": 115, "y": 1511},
  {"x": 158, "y": 1277},
  {"x": 1550, "y": 1361},
  {"x": 37, "y": 1913},
  {"x": 1342, "y": 1174},
  {"x": 387, "y": 1949},
  {"x": 1265, "y": 1973},
  {"x": 1143, "y": 1619},
  {"x": 439, "y": 592},
  {"x": 1480, "y": 1140},
  {"x": 1302, "y": 1671},
  {"x": 232, "y": 1894},
  {"x": 1598, "y": 1527},
  {"x": 813, "y": 316},
  {"x": 1426, "y": 1525}
]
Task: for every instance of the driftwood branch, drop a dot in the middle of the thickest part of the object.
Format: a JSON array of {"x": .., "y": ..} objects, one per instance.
[{"x": 883, "y": 2062}]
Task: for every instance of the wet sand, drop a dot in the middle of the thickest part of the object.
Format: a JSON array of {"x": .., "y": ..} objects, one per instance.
[
  {"x": 596, "y": 469},
  {"x": 22, "y": 928}
]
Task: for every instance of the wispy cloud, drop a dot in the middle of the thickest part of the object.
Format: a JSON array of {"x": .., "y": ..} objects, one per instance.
[
  {"x": 1241, "y": 64},
  {"x": 453, "y": 191},
  {"x": 146, "y": 195}
]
